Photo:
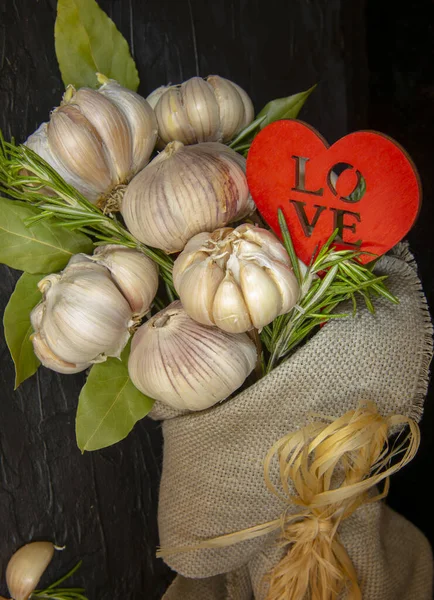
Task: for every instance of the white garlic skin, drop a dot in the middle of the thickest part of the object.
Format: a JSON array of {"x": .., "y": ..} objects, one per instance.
[
  {"x": 201, "y": 110},
  {"x": 97, "y": 139},
  {"x": 186, "y": 190},
  {"x": 187, "y": 365},
  {"x": 236, "y": 279},
  {"x": 135, "y": 274},
  {"x": 141, "y": 120},
  {"x": 25, "y": 568},
  {"x": 52, "y": 361},
  {"x": 154, "y": 96},
  {"x": 82, "y": 319}
]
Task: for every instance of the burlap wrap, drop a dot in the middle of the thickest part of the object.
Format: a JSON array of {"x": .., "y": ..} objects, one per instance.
[{"x": 213, "y": 483}]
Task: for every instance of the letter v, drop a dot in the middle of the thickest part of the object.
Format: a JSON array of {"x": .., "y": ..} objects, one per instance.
[{"x": 302, "y": 217}]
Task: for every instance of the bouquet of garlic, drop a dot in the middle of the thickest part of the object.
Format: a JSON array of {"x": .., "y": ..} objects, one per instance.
[
  {"x": 147, "y": 265},
  {"x": 181, "y": 266}
]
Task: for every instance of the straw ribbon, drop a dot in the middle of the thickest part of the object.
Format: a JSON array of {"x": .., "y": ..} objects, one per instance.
[{"x": 332, "y": 466}]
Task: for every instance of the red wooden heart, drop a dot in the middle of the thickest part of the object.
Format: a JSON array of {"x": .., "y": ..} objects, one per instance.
[{"x": 364, "y": 184}]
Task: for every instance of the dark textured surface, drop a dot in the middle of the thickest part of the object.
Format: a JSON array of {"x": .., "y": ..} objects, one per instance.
[
  {"x": 103, "y": 505},
  {"x": 401, "y": 55}
]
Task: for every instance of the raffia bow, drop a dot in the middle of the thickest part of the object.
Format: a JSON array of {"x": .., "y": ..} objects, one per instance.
[{"x": 333, "y": 465}]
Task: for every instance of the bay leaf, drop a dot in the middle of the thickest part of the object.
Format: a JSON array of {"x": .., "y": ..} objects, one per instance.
[
  {"x": 40, "y": 248},
  {"x": 88, "y": 42},
  {"x": 17, "y": 327},
  {"x": 284, "y": 108},
  {"x": 275, "y": 110},
  {"x": 109, "y": 405}
]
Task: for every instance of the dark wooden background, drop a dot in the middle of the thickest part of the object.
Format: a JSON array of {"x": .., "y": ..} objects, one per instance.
[{"x": 373, "y": 64}]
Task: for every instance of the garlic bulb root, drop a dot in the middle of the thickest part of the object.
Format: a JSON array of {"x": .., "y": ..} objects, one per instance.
[
  {"x": 187, "y": 365},
  {"x": 186, "y": 190},
  {"x": 97, "y": 139},
  {"x": 236, "y": 279},
  {"x": 25, "y": 568},
  {"x": 201, "y": 110},
  {"x": 111, "y": 202}
]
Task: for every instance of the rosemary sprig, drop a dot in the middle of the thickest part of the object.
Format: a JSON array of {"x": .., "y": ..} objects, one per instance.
[
  {"x": 287, "y": 242},
  {"x": 54, "y": 592},
  {"x": 344, "y": 278},
  {"x": 26, "y": 177}
]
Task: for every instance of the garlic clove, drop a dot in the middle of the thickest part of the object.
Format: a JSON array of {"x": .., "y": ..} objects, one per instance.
[
  {"x": 249, "y": 110},
  {"x": 112, "y": 128},
  {"x": 198, "y": 287},
  {"x": 285, "y": 280},
  {"x": 75, "y": 142},
  {"x": 185, "y": 364},
  {"x": 53, "y": 362},
  {"x": 265, "y": 240},
  {"x": 140, "y": 117},
  {"x": 36, "y": 316},
  {"x": 196, "y": 242},
  {"x": 262, "y": 296},
  {"x": 185, "y": 262},
  {"x": 230, "y": 104},
  {"x": 229, "y": 309},
  {"x": 202, "y": 109},
  {"x": 249, "y": 251},
  {"x": 38, "y": 142},
  {"x": 135, "y": 274},
  {"x": 25, "y": 568},
  {"x": 172, "y": 119},
  {"x": 154, "y": 96}
]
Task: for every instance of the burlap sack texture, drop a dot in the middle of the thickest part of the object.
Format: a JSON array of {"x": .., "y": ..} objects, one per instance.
[{"x": 212, "y": 481}]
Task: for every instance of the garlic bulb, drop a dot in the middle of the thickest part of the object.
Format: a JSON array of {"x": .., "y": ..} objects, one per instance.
[
  {"x": 185, "y": 364},
  {"x": 97, "y": 140},
  {"x": 25, "y": 568},
  {"x": 198, "y": 110},
  {"x": 82, "y": 318},
  {"x": 135, "y": 274},
  {"x": 186, "y": 190},
  {"x": 236, "y": 279}
]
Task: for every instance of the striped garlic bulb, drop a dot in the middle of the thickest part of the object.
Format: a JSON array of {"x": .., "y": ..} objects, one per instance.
[
  {"x": 201, "y": 110},
  {"x": 187, "y": 365},
  {"x": 82, "y": 319},
  {"x": 236, "y": 279},
  {"x": 97, "y": 140},
  {"x": 186, "y": 190}
]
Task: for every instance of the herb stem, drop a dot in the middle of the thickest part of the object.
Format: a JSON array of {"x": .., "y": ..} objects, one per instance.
[
  {"x": 26, "y": 177},
  {"x": 342, "y": 277}
]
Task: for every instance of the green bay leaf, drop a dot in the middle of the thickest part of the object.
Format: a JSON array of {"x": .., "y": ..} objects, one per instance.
[
  {"x": 275, "y": 110},
  {"x": 87, "y": 41},
  {"x": 284, "y": 108},
  {"x": 109, "y": 405},
  {"x": 40, "y": 248},
  {"x": 17, "y": 327}
]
